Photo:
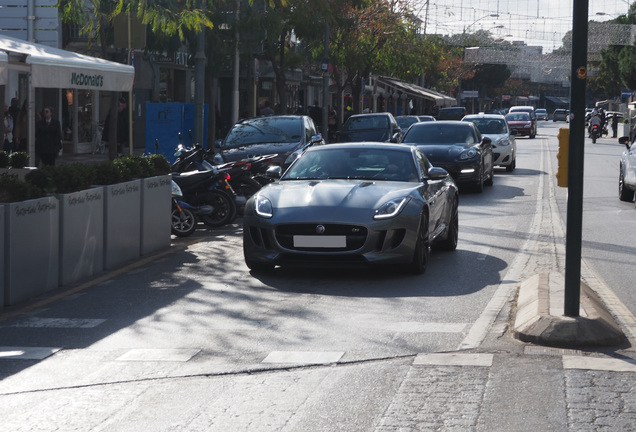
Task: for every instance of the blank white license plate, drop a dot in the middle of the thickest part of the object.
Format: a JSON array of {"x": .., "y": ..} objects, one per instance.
[{"x": 320, "y": 241}]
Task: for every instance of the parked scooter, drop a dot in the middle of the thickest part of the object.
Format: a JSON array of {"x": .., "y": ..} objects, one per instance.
[
  {"x": 208, "y": 188},
  {"x": 184, "y": 219},
  {"x": 246, "y": 176}
]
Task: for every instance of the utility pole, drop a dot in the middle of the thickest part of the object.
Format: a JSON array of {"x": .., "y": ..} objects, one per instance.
[
  {"x": 199, "y": 86},
  {"x": 575, "y": 159},
  {"x": 325, "y": 86}
]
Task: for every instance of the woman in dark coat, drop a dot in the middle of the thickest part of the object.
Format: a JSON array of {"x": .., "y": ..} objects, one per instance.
[{"x": 48, "y": 137}]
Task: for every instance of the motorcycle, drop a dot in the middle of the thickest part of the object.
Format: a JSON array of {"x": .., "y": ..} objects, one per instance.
[
  {"x": 208, "y": 188},
  {"x": 246, "y": 176},
  {"x": 594, "y": 133},
  {"x": 184, "y": 219}
]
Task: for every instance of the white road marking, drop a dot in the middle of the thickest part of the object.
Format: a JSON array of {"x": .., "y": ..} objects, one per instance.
[
  {"x": 599, "y": 364},
  {"x": 303, "y": 357},
  {"x": 159, "y": 355},
  {"x": 26, "y": 353},
  {"x": 480, "y": 328}
]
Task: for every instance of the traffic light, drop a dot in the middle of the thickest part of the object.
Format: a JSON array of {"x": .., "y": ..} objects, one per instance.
[{"x": 562, "y": 157}]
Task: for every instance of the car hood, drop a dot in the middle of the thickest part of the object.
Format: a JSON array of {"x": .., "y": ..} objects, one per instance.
[
  {"x": 325, "y": 199},
  {"x": 251, "y": 150},
  {"x": 380, "y": 135},
  {"x": 442, "y": 152}
]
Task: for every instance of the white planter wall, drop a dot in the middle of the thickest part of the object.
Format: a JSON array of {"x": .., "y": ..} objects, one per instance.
[
  {"x": 81, "y": 234},
  {"x": 155, "y": 213},
  {"x": 122, "y": 223},
  {"x": 31, "y": 248}
]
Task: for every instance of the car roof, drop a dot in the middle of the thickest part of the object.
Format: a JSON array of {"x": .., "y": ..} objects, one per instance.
[
  {"x": 362, "y": 145},
  {"x": 484, "y": 116}
]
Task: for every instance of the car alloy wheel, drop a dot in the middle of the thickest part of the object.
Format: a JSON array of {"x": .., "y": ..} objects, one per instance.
[
  {"x": 624, "y": 194},
  {"x": 421, "y": 252}
]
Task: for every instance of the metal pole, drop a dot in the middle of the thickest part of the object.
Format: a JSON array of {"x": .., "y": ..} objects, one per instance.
[
  {"x": 130, "y": 93},
  {"x": 325, "y": 87},
  {"x": 235, "y": 86},
  {"x": 575, "y": 160},
  {"x": 199, "y": 87}
]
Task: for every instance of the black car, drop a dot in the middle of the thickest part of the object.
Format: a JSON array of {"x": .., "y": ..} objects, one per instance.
[
  {"x": 377, "y": 127},
  {"x": 285, "y": 136},
  {"x": 405, "y": 121},
  {"x": 451, "y": 113},
  {"x": 458, "y": 147}
]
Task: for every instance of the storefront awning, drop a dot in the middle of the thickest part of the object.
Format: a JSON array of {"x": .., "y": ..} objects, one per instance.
[
  {"x": 416, "y": 91},
  {"x": 4, "y": 71},
  {"x": 57, "y": 68}
]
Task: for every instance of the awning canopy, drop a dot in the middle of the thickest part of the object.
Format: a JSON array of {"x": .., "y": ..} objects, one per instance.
[
  {"x": 416, "y": 91},
  {"x": 4, "y": 70},
  {"x": 558, "y": 100},
  {"x": 57, "y": 68}
]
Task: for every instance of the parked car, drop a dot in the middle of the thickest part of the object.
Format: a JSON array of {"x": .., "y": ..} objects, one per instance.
[
  {"x": 504, "y": 145},
  {"x": 376, "y": 127},
  {"x": 627, "y": 171},
  {"x": 560, "y": 115},
  {"x": 458, "y": 147},
  {"x": 533, "y": 117},
  {"x": 353, "y": 204},
  {"x": 426, "y": 118},
  {"x": 405, "y": 121},
  {"x": 286, "y": 136},
  {"x": 521, "y": 122},
  {"x": 542, "y": 114},
  {"x": 451, "y": 113}
]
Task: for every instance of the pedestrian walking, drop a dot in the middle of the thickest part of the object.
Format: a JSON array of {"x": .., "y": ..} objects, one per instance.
[
  {"x": 48, "y": 137},
  {"x": 614, "y": 125}
]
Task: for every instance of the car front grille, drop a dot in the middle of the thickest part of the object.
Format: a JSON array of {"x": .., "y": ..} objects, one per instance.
[{"x": 355, "y": 236}]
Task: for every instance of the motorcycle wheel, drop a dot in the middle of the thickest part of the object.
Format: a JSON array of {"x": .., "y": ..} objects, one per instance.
[
  {"x": 224, "y": 209},
  {"x": 184, "y": 222}
]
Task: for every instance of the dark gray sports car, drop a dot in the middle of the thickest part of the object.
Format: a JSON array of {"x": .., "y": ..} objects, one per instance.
[{"x": 353, "y": 204}]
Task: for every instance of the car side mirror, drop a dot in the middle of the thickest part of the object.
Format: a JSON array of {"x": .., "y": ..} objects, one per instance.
[
  {"x": 316, "y": 139},
  {"x": 218, "y": 144},
  {"x": 486, "y": 140},
  {"x": 274, "y": 172},
  {"x": 625, "y": 141},
  {"x": 437, "y": 173}
]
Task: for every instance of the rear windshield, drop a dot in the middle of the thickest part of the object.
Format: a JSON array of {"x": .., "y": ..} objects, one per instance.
[
  {"x": 518, "y": 116},
  {"x": 265, "y": 130}
]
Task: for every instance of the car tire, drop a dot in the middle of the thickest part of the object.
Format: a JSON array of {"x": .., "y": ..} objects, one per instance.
[
  {"x": 491, "y": 178},
  {"x": 624, "y": 194},
  {"x": 452, "y": 234},
  {"x": 512, "y": 166},
  {"x": 479, "y": 186},
  {"x": 421, "y": 252}
]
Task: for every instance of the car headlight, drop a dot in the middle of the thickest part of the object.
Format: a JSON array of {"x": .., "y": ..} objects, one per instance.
[
  {"x": 468, "y": 154},
  {"x": 502, "y": 142},
  {"x": 263, "y": 207},
  {"x": 176, "y": 190},
  {"x": 391, "y": 208}
]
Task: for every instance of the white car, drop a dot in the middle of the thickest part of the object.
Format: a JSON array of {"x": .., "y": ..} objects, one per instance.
[
  {"x": 504, "y": 145},
  {"x": 542, "y": 114}
]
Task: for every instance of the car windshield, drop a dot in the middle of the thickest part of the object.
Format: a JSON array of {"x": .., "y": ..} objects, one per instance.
[
  {"x": 366, "y": 122},
  {"x": 490, "y": 126},
  {"x": 264, "y": 130},
  {"x": 358, "y": 163},
  {"x": 436, "y": 133},
  {"x": 518, "y": 117},
  {"x": 405, "y": 122}
]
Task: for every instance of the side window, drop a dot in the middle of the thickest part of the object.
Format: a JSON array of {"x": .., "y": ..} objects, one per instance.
[
  {"x": 424, "y": 164},
  {"x": 309, "y": 130}
]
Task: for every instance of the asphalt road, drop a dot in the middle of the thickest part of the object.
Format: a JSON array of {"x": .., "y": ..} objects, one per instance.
[{"x": 193, "y": 341}]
